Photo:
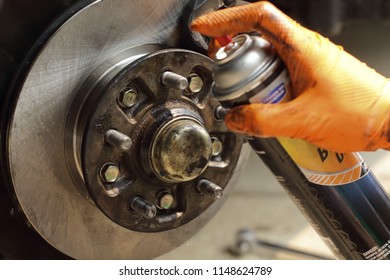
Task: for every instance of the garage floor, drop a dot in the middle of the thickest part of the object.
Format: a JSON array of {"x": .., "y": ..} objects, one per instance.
[{"x": 259, "y": 203}]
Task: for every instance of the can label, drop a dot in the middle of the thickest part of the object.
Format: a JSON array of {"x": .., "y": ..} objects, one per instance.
[
  {"x": 323, "y": 167},
  {"x": 320, "y": 166},
  {"x": 276, "y": 95},
  {"x": 378, "y": 253},
  {"x": 276, "y": 92}
]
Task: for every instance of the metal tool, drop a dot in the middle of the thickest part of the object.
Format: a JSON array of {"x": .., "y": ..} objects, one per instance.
[{"x": 246, "y": 242}]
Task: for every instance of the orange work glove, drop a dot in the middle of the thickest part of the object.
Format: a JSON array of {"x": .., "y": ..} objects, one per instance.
[{"x": 339, "y": 103}]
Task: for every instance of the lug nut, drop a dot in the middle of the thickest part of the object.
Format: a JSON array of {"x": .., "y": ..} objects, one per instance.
[
  {"x": 143, "y": 207},
  {"x": 109, "y": 172},
  {"x": 118, "y": 139},
  {"x": 209, "y": 188},
  {"x": 129, "y": 97},
  {"x": 216, "y": 146},
  {"x": 166, "y": 200},
  {"x": 195, "y": 84},
  {"x": 173, "y": 80}
]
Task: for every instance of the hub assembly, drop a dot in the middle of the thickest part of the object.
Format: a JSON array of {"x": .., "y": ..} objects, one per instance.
[{"x": 112, "y": 145}]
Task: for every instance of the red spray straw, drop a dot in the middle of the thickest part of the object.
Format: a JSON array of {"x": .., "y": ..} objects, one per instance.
[{"x": 223, "y": 40}]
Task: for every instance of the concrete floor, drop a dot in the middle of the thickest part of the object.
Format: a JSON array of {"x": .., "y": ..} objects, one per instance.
[{"x": 260, "y": 204}]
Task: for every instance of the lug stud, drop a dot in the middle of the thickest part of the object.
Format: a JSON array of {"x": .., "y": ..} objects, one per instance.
[
  {"x": 143, "y": 207},
  {"x": 118, "y": 139},
  {"x": 209, "y": 188},
  {"x": 220, "y": 113},
  {"x": 173, "y": 80}
]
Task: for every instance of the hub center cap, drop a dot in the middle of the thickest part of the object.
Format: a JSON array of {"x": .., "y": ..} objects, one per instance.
[{"x": 181, "y": 151}]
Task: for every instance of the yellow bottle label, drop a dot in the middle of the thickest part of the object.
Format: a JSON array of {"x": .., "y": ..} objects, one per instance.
[{"x": 324, "y": 167}]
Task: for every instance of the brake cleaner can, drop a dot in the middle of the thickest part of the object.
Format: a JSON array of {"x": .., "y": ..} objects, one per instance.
[{"x": 337, "y": 192}]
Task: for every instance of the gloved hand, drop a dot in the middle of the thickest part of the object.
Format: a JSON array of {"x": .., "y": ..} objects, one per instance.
[{"x": 339, "y": 103}]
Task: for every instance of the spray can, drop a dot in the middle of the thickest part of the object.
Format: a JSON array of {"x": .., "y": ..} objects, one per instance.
[{"x": 337, "y": 192}]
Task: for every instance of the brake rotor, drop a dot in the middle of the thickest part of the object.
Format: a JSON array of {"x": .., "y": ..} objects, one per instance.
[{"x": 115, "y": 149}]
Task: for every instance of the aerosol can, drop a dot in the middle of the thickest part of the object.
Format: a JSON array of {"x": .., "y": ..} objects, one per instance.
[{"x": 337, "y": 192}]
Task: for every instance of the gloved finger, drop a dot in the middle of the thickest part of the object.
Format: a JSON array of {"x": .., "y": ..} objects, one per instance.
[
  {"x": 301, "y": 49},
  {"x": 266, "y": 120},
  {"x": 292, "y": 119}
]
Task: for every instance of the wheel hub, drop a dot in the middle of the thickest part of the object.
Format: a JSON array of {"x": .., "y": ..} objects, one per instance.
[{"x": 145, "y": 132}]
